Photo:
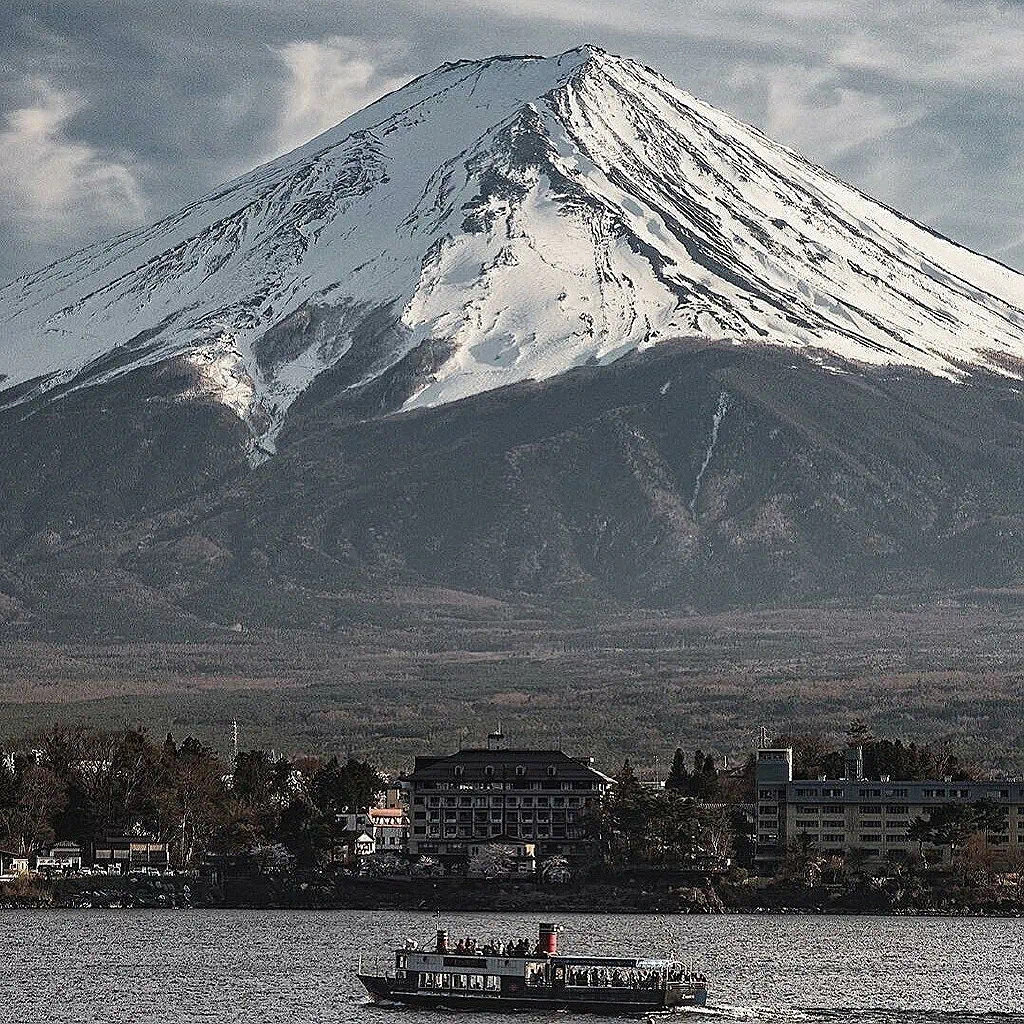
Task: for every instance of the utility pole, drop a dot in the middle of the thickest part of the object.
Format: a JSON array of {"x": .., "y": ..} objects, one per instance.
[{"x": 234, "y": 737}]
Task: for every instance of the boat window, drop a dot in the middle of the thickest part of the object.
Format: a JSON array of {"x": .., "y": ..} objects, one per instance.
[
  {"x": 426, "y": 981},
  {"x": 446, "y": 981},
  {"x": 492, "y": 983},
  {"x": 476, "y": 981},
  {"x": 458, "y": 981}
]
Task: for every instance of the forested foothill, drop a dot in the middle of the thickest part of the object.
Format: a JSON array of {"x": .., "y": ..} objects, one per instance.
[{"x": 412, "y": 678}]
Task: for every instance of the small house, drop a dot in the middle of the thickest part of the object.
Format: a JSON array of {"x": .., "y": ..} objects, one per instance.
[{"x": 62, "y": 858}]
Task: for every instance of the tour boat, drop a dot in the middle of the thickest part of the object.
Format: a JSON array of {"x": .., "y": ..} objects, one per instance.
[{"x": 521, "y": 976}]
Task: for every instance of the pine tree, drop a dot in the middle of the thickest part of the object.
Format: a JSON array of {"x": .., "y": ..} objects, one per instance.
[
  {"x": 626, "y": 778},
  {"x": 678, "y": 780},
  {"x": 709, "y": 782}
]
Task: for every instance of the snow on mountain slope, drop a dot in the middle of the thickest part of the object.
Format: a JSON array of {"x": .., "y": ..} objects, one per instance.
[{"x": 507, "y": 219}]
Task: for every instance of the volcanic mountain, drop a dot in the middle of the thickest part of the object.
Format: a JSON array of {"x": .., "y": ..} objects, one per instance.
[{"x": 777, "y": 386}]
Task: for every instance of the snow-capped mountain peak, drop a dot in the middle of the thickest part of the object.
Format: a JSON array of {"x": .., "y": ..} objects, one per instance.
[{"x": 499, "y": 220}]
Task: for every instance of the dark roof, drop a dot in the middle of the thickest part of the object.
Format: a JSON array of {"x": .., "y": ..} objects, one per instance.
[{"x": 536, "y": 762}]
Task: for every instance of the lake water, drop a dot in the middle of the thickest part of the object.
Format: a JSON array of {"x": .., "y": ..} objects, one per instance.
[{"x": 278, "y": 966}]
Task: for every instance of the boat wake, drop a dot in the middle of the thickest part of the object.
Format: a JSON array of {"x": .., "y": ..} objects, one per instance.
[{"x": 715, "y": 1011}]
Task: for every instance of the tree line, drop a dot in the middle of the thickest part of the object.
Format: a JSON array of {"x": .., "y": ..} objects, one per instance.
[{"x": 82, "y": 784}]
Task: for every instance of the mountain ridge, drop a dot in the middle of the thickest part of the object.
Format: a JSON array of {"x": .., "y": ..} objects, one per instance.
[
  {"x": 548, "y": 334},
  {"x": 605, "y": 212}
]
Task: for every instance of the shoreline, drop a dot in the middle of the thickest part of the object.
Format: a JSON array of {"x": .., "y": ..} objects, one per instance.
[{"x": 475, "y": 896}]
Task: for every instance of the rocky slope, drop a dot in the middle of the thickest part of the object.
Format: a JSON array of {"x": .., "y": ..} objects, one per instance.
[{"x": 686, "y": 477}]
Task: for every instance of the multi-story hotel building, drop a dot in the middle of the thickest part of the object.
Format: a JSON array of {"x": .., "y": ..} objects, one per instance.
[
  {"x": 869, "y": 815},
  {"x": 540, "y": 796}
]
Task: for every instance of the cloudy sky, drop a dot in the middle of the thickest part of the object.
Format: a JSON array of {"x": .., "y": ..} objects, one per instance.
[{"x": 113, "y": 112}]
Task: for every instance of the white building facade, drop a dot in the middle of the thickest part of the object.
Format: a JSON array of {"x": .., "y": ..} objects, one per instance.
[{"x": 870, "y": 816}]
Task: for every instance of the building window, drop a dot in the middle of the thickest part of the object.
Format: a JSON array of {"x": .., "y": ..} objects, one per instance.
[
  {"x": 520, "y": 770},
  {"x": 552, "y": 770},
  {"x": 489, "y": 771}
]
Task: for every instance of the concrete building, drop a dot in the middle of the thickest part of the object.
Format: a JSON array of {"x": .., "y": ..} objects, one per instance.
[
  {"x": 871, "y": 816},
  {"x": 537, "y": 796}
]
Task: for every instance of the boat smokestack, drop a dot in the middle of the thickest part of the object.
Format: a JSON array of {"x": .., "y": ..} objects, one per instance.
[
  {"x": 548, "y": 938},
  {"x": 442, "y": 941}
]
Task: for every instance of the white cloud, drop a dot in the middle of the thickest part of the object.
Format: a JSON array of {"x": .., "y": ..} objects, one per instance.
[
  {"x": 814, "y": 111},
  {"x": 330, "y": 79},
  {"x": 49, "y": 181},
  {"x": 935, "y": 43}
]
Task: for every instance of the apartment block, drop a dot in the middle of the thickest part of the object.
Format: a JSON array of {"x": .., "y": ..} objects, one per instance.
[{"x": 871, "y": 816}]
